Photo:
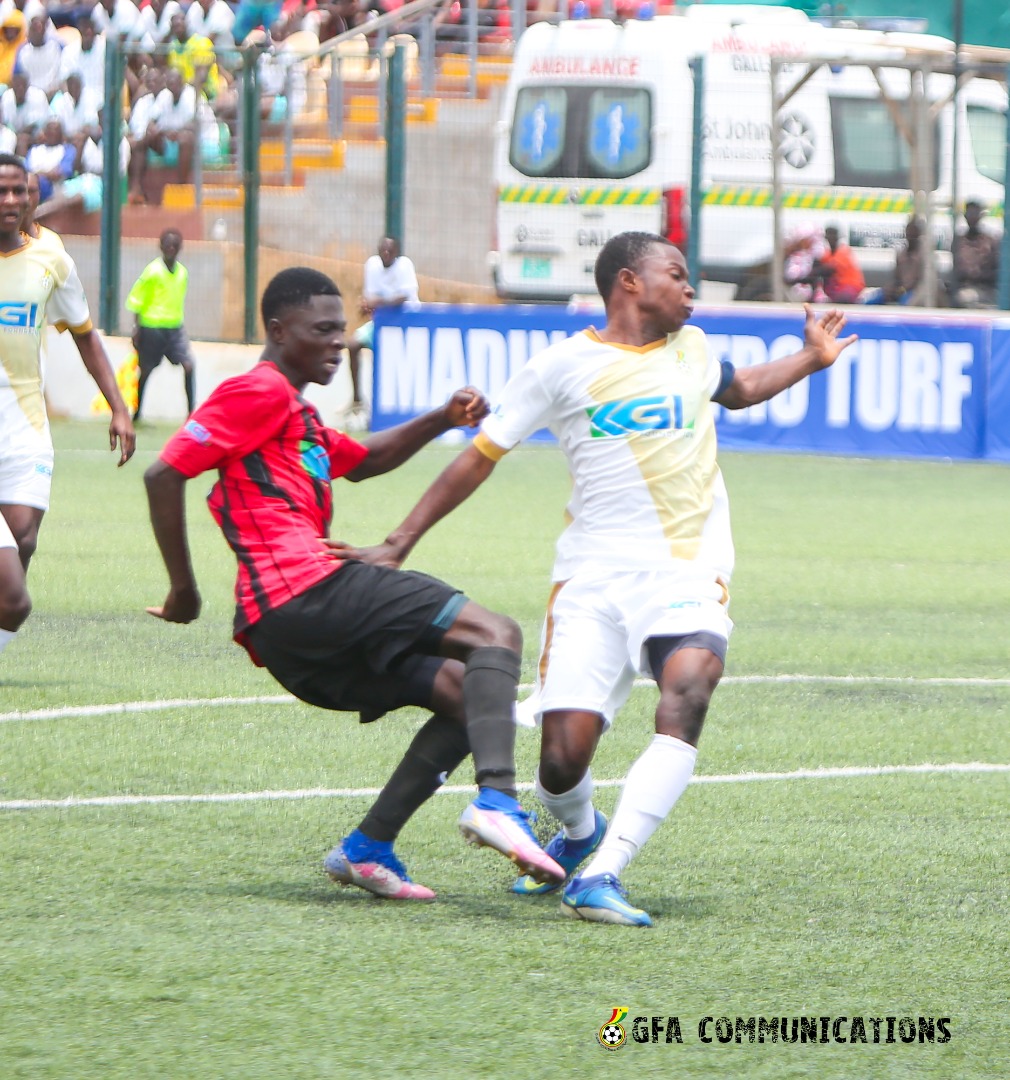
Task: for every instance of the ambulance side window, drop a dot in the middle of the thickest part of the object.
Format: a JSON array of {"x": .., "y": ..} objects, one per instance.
[
  {"x": 592, "y": 132},
  {"x": 870, "y": 151},
  {"x": 618, "y": 132},
  {"x": 539, "y": 130},
  {"x": 988, "y": 141}
]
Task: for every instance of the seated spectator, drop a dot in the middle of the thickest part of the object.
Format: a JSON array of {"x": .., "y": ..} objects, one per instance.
[
  {"x": 193, "y": 56},
  {"x": 40, "y": 58},
  {"x": 212, "y": 19},
  {"x": 28, "y": 8},
  {"x": 905, "y": 286},
  {"x": 88, "y": 59},
  {"x": 156, "y": 22},
  {"x": 281, "y": 83},
  {"x": 169, "y": 135},
  {"x": 13, "y": 34},
  {"x": 83, "y": 192},
  {"x": 77, "y": 110},
  {"x": 251, "y": 14},
  {"x": 117, "y": 18},
  {"x": 300, "y": 15},
  {"x": 840, "y": 277},
  {"x": 24, "y": 109},
  {"x": 975, "y": 262},
  {"x": 803, "y": 248},
  {"x": 337, "y": 16},
  {"x": 52, "y": 159}
]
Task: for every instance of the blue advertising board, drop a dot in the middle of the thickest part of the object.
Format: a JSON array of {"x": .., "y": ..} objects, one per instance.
[{"x": 912, "y": 385}]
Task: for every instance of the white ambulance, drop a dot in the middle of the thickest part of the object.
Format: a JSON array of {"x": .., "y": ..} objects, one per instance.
[{"x": 596, "y": 138}]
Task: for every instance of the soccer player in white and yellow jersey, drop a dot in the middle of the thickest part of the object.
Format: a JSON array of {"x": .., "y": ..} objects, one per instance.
[
  {"x": 38, "y": 285},
  {"x": 642, "y": 570}
]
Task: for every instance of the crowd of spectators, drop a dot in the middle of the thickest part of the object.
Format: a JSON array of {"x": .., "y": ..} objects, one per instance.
[{"x": 180, "y": 84}]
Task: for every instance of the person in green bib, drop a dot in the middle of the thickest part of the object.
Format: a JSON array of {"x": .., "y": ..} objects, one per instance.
[{"x": 158, "y": 300}]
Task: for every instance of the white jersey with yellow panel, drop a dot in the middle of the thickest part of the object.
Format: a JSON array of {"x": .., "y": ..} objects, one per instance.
[
  {"x": 638, "y": 430},
  {"x": 38, "y": 285},
  {"x": 648, "y": 550}
]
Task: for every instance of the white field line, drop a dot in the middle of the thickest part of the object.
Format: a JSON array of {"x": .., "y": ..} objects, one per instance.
[
  {"x": 839, "y": 773},
  {"x": 286, "y": 699}
]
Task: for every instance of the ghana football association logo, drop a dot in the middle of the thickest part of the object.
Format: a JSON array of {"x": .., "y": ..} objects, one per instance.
[{"x": 612, "y": 1035}]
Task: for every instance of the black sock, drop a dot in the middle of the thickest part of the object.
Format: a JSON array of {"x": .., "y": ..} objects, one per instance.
[
  {"x": 434, "y": 752},
  {"x": 190, "y": 381},
  {"x": 489, "y": 693}
]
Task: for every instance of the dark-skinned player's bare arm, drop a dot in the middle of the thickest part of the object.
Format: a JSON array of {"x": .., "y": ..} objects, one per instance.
[
  {"x": 454, "y": 485},
  {"x": 821, "y": 348},
  {"x": 389, "y": 449},
  {"x": 166, "y": 497}
]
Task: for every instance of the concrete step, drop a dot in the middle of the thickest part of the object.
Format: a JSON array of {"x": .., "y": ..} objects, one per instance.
[
  {"x": 365, "y": 110},
  {"x": 306, "y": 154},
  {"x": 218, "y": 197}
]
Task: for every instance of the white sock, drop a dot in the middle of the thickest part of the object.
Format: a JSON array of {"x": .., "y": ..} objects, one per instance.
[
  {"x": 654, "y": 783},
  {"x": 574, "y": 809},
  {"x": 6, "y": 636}
]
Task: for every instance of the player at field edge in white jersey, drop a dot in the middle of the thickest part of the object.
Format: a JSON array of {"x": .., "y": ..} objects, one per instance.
[
  {"x": 38, "y": 285},
  {"x": 642, "y": 571}
]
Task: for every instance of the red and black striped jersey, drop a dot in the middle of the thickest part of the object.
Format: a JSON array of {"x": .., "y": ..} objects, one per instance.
[{"x": 275, "y": 460}]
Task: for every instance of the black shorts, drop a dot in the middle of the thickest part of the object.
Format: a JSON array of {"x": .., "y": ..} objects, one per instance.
[
  {"x": 365, "y": 639},
  {"x": 157, "y": 342}
]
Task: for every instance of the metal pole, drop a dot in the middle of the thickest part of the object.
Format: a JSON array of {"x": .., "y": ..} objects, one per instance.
[
  {"x": 251, "y": 184},
  {"x": 396, "y": 143},
  {"x": 778, "y": 260},
  {"x": 694, "y": 236},
  {"x": 924, "y": 196},
  {"x": 336, "y": 92},
  {"x": 955, "y": 187},
  {"x": 471, "y": 47},
  {"x": 109, "y": 244},
  {"x": 426, "y": 49},
  {"x": 1003, "y": 281}
]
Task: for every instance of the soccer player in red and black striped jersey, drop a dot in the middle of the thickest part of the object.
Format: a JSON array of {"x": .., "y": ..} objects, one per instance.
[{"x": 340, "y": 633}]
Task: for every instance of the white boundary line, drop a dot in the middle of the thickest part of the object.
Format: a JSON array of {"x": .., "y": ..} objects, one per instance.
[
  {"x": 121, "y": 707},
  {"x": 839, "y": 773}
]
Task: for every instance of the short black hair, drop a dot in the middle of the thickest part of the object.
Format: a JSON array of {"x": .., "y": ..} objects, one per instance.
[
  {"x": 623, "y": 252},
  {"x": 170, "y": 231},
  {"x": 294, "y": 287},
  {"x": 14, "y": 161}
]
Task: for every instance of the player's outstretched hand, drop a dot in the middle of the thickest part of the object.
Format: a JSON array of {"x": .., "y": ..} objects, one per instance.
[
  {"x": 384, "y": 554},
  {"x": 121, "y": 432},
  {"x": 821, "y": 334},
  {"x": 467, "y": 407},
  {"x": 181, "y": 606}
]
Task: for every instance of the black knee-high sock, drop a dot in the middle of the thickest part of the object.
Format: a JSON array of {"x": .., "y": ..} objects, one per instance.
[
  {"x": 489, "y": 693},
  {"x": 190, "y": 382},
  {"x": 432, "y": 755}
]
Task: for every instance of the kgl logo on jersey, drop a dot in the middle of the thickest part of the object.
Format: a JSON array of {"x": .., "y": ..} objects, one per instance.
[
  {"x": 636, "y": 415},
  {"x": 15, "y": 315}
]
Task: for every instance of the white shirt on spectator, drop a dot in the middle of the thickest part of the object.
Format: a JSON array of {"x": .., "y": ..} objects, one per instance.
[
  {"x": 41, "y": 63},
  {"x": 386, "y": 283},
  {"x": 154, "y": 30},
  {"x": 172, "y": 115},
  {"x": 76, "y": 115},
  {"x": 31, "y": 9},
  {"x": 89, "y": 64},
  {"x": 33, "y": 112},
  {"x": 143, "y": 112},
  {"x": 93, "y": 157},
  {"x": 8, "y": 140},
  {"x": 123, "y": 23},
  {"x": 215, "y": 24}
]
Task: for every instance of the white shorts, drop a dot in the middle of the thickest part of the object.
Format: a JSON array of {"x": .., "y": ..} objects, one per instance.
[
  {"x": 597, "y": 625},
  {"x": 26, "y": 479},
  {"x": 6, "y": 536}
]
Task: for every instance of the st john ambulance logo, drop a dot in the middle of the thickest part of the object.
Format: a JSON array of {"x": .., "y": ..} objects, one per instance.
[{"x": 612, "y": 1035}]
